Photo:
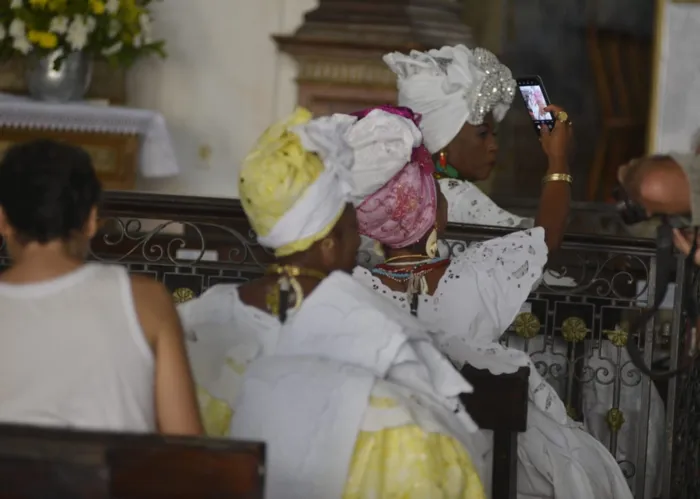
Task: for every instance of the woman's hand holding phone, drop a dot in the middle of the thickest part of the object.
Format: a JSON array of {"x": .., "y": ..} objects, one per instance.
[{"x": 557, "y": 142}]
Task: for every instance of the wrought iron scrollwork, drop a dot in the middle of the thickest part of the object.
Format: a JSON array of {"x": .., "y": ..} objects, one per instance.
[
  {"x": 565, "y": 342},
  {"x": 147, "y": 245}
]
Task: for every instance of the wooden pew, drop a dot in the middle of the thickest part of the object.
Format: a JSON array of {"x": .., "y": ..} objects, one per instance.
[
  {"x": 499, "y": 403},
  {"x": 38, "y": 463}
]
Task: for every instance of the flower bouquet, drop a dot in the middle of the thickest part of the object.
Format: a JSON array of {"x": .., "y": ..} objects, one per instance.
[
  {"x": 62, "y": 38},
  {"x": 118, "y": 31}
]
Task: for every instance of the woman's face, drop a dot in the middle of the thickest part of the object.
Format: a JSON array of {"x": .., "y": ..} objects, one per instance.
[{"x": 473, "y": 151}]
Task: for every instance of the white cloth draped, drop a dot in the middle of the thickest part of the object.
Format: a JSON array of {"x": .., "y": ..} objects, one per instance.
[
  {"x": 445, "y": 87},
  {"x": 224, "y": 335},
  {"x": 468, "y": 204},
  {"x": 382, "y": 143},
  {"x": 328, "y": 195},
  {"x": 156, "y": 154},
  {"x": 328, "y": 357},
  {"x": 478, "y": 298}
]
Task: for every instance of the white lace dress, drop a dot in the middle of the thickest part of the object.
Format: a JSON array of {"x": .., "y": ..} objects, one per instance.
[
  {"x": 469, "y": 205},
  {"x": 479, "y": 296}
]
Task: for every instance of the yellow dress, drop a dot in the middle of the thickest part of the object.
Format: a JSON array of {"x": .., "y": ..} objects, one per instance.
[
  {"x": 398, "y": 453},
  {"x": 402, "y": 452}
]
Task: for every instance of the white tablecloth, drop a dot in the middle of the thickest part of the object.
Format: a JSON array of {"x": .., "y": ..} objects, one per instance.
[{"x": 156, "y": 157}]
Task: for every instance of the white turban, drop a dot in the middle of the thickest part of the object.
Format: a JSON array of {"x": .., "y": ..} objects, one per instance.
[
  {"x": 382, "y": 143},
  {"x": 450, "y": 87},
  {"x": 327, "y": 196},
  {"x": 296, "y": 182}
]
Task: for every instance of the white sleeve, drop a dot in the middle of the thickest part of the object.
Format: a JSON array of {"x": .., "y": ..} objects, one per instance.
[
  {"x": 213, "y": 307},
  {"x": 468, "y": 205},
  {"x": 495, "y": 277}
]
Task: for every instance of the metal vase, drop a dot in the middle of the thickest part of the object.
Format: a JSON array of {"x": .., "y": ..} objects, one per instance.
[{"x": 67, "y": 81}]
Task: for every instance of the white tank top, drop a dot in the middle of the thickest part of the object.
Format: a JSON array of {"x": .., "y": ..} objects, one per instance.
[{"x": 72, "y": 353}]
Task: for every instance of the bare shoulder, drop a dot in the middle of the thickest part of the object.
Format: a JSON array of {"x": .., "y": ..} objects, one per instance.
[
  {"x": 154, "y": 307},
  {"x": 148, "y": 290}
]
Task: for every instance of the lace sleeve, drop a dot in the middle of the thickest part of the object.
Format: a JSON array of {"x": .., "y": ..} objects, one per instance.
[
  {"x": 468, "y": 205},
  {"x": 522, "y": 254},
  {"x": 487, "y": 284}
]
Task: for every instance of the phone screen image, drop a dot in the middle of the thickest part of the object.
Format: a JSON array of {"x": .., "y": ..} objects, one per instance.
[{"x": 536, "y": 102}]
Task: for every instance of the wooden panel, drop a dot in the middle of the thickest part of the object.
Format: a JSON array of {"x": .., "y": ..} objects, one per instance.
[
  {"x": 339, "y": 48},
  {"x": 43, "y": 463},
  {"x": 115, "y": 157},
  {"x": 323, "y": 99},
  {"x": 498, "y": 402}
]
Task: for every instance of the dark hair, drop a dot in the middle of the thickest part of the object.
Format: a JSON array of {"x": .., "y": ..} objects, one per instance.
[{"x": 47, "y": 190}]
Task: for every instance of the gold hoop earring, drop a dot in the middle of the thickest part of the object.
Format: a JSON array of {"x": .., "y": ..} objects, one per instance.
[{"x": 431, "y": 245}]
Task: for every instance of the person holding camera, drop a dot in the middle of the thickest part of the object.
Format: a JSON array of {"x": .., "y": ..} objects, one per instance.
[{"x": 666, "y": 185}]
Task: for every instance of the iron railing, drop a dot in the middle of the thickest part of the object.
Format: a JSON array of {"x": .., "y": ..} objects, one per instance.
[{"x": 574, "y": 325}]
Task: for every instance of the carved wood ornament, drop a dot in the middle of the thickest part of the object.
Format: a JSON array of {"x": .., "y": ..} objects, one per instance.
[{"x": 340, "y": 44}]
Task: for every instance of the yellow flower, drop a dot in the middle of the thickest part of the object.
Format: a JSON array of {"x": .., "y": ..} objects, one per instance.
[
  {"x": 57, "y": 5},
  {"x": 44, "y": 39},
  {"x": 38, "y": 3},
  {"x": 97, "y": 7},
  {"x": 130, "y": 11}
]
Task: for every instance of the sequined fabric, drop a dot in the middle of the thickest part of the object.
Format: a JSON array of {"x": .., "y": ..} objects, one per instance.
[{"x": 497, "y": 88}]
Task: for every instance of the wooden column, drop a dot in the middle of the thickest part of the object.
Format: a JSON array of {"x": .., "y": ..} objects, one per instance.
[{"x": 340, "y": 44}]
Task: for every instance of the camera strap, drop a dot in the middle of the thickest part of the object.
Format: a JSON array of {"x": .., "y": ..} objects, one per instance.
[{"x": 665, "y": 262}]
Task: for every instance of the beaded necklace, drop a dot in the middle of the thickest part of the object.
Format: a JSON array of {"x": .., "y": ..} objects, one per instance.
[{"x": 413, "y": 272}]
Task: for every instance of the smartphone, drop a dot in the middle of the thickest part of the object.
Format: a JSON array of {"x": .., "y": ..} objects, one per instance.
[{"x": 536, "y": 99}]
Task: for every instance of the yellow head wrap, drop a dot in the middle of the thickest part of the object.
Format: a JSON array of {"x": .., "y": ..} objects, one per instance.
[{"x": 275, "y": 176}]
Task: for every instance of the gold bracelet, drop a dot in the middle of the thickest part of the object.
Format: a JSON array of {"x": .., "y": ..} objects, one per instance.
[{"x": 558, "y": 177}]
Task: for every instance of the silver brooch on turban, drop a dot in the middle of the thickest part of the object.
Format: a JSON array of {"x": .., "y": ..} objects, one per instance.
[{"x": 495, "y": 91}]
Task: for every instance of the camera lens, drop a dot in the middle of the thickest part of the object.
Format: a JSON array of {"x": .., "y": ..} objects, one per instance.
[{"x": 630, "y": 212}]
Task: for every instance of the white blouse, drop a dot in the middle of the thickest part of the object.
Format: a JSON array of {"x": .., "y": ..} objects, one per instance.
[
  {"x": 467, "y": 204},
  {"x": 224, "y": 335},
  {"x": 476, "y": 301},
  {"x": 494, "y": 277},
  {"x": 478, "y": 298}
]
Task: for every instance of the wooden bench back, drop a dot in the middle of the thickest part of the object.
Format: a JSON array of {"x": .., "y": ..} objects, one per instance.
[
  {"x": 499, "y": 403},
  {"x": 37, "y": 463}
]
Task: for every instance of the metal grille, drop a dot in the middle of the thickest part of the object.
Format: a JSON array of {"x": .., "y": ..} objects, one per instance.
[{"x": 574, "y": 333}]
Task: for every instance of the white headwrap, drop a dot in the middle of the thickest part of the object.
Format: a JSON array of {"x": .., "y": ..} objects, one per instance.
[
  {"x": 327, "y": 196},
  {"x": 450, "y": 87},
  {"x": 383, "y": 143}
]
